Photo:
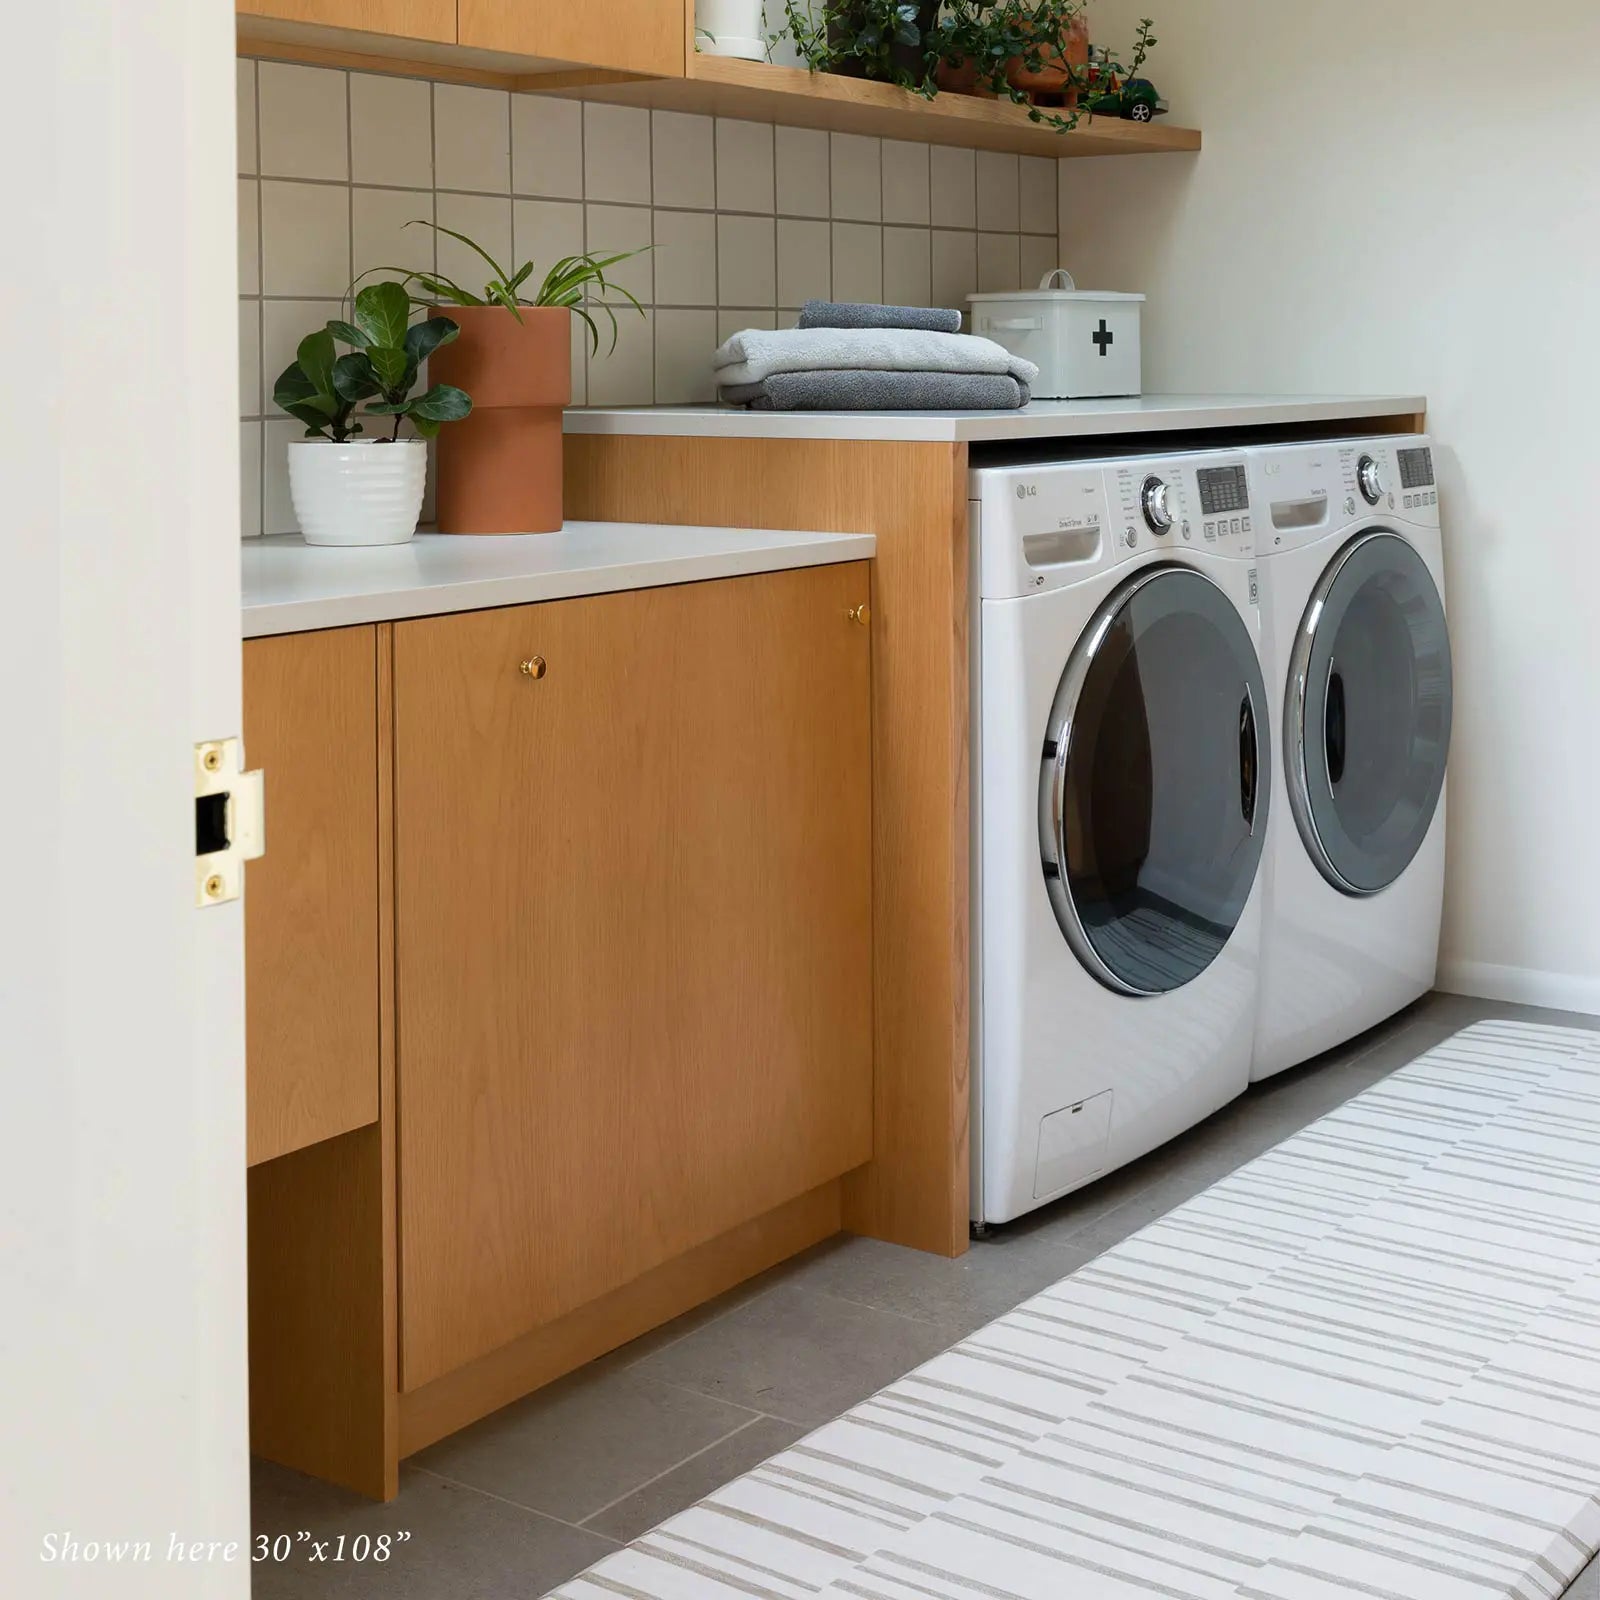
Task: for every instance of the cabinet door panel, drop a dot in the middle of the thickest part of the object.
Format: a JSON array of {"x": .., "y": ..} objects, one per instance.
[
  {"x": 311, "y": 902},
  {"x": 404, "y": 19},
  {"x": 645, "y": 36},
  {"x": 633, "y": 925}
]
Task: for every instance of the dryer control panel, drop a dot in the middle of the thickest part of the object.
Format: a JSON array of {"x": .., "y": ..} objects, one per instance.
[
  {"x": 1306, "y": 491},
  {"x": 1056, "y": 523}
]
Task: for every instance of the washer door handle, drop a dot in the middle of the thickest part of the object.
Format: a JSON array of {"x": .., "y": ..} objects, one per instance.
[
  {"x": 1333, "y": 724},
  {"x": 1248, "y": 759}
]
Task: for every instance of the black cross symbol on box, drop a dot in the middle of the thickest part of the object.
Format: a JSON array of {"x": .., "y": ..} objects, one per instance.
[{"x": 1103, "y": 337}]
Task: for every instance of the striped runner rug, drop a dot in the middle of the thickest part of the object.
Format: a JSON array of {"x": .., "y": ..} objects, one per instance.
[{"x": 1365, "y": 1364}]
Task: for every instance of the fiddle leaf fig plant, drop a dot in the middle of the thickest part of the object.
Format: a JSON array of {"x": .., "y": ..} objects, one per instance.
[
  {"x": 572, "y": 283},
  {"x": 322, "y": 389}
]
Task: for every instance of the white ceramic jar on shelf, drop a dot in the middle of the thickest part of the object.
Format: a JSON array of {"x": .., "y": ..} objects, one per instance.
[
  {"x": 730, "y": 28},
  {"x": 365, "y": 491}
]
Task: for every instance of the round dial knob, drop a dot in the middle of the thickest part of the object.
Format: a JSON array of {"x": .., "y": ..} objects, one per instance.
[
  {"x": 1369, "y": 475},
  {"x": 1155, "y": 498}
]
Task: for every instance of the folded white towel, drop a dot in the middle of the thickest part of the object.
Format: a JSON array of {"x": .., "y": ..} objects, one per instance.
[{"x": 757, "y": 354}]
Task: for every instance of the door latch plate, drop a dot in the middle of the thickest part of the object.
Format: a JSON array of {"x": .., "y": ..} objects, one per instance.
[{"x": 229, "y": 821}]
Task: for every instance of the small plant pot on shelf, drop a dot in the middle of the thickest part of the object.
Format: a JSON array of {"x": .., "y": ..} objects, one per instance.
[
  {"x": 960, "y": 77},
  {"x": 364, "y": 491},
  {"x": 1063, "y": 68},
  {"x": 499, "y": 470},
  {"x": 730, "y": 28}
]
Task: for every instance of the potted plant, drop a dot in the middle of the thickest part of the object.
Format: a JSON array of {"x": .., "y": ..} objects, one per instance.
[
  {"x": 501, "y": 471},
  {"x": 1054, "y": 58},
  {"x": 730, "y": 28},
  {"x": 349, "y": 489},
  {"x": 890, "y": 41}
]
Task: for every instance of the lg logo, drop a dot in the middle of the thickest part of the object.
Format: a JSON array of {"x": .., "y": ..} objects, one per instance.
[{"x": 1027, "y": 491}]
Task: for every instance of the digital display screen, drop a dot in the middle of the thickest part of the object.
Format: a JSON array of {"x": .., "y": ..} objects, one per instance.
[
  {"x": 1416, "y": 468},
  {"x": 1223, "y": 489}
]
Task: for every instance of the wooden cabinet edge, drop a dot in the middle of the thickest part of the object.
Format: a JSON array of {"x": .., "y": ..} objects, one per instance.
[{"x": 458, "y": 1398}]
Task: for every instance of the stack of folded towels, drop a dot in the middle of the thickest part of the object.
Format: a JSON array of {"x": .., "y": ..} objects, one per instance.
[{"x": 870, "y": 358}]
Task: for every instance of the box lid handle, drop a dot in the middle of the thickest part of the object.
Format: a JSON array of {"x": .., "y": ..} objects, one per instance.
[{"x": 1048, "y": 281}]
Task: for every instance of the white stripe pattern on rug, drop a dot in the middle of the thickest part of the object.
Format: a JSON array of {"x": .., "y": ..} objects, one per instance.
[{"x": 1367, "y": 1364}]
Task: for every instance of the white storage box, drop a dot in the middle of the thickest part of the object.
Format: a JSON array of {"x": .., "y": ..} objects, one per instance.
[{"x": 1085, "y": 342}]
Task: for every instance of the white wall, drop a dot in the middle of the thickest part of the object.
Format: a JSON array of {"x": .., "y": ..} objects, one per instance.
[{"x": 1406, "y": 198}]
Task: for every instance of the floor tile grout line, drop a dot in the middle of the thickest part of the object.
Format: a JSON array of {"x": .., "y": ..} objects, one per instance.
[
  {"x": 750, "y": 1422},
  {"x": 505, "y": 1500}
]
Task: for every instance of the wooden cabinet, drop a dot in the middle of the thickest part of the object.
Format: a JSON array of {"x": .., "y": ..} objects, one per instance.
[
  {"x": 311, "y": 903},
  {"x": 645, "y": 36},
  {"x": 633, "y": 938},
  {"x": 434, "y": 20}
]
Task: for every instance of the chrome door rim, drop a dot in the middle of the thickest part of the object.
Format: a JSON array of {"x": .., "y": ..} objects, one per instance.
[
  {"x": 1296, "y": 766},
  {"x": 1052, "y": 791}
]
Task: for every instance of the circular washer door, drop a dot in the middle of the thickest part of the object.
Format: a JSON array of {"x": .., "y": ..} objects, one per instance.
[
  {"x": 1367, "y": 715},
  {"x": 1152, "y": 806}
]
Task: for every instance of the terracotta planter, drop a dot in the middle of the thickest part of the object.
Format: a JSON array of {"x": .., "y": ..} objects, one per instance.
[
  {"x": 1062, "y": 70},
  {"x": 960, "y": 77},
  {"x": 499, "y": 470}
]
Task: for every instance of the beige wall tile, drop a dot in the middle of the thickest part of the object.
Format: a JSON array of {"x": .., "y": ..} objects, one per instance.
[
  {"x": 249, "y": 236},
  {"x": 483, "y": 218},
  {"x": 379, "y": 235},
  {"x": 471, "y": 139},
  {"x": 547, "y": 146},
  {"x": 684, "y": 342},
  {"x": 245, "y": 107},
  {"x": 304, "y": 121},
  {"x": 999, "y": 262},
  {"x": 277, "y": 509},
  {"x": 735, "y": 319},
  {"x": 955, "y": 269},
  {"x": 857, "y": 177},
  {"x": 905, "y": 182},
  {"x": 745, "y": 177},
  {"x": 803, "y": 178},
  {"x": 685, "y": 259},
  {"x": 683, "y": 159},
  {"x": 391, "y": 131},
  {"x": 609, "y": 230},
  {"x": 616, "y": 153},
  {"x": 953, "y": 187},
  {"x": 544, "y": 232},
  {"x": 250, "y": 479},
  {"x": 305, "y": 238},
  {"x": 284, "y": 323},
  {"x": 747, "y": 260},
  {"x": 907, "y": 266},
  {"x": 805, "y": 261},
  {"x": 1038, "y": 258},
  {"x": 857, "y": 261},
  {"x": 625, "y": 376},
  {"x": 249, "y": 358},
  {"x": 998, "y": 205},
  {"x": 1036, "y": 188}
]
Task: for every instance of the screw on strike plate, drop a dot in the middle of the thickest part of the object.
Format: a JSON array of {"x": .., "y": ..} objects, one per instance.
[
  {"x": 214, "y": 886},
  {"x": 212, "y": 759}
]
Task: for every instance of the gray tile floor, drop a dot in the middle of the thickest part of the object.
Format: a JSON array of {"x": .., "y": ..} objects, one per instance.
[{"x": 522, "y": 1500}]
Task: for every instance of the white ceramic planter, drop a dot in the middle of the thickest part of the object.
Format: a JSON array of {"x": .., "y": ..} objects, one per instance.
[
  {"x": 735, "y": 28},
  {"x": 364, "y": 492}
]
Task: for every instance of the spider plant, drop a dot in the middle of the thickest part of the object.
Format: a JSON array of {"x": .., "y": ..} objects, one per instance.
[{"x": 572, "y": 283}]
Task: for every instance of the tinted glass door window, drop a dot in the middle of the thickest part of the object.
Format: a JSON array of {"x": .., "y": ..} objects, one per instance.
[{"x": 1153, "y": 804}]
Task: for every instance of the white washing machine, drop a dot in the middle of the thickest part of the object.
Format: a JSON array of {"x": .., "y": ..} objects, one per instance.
[
  {"x": 1357, "y": 658},
  {"x": 1121, "y": 760}
]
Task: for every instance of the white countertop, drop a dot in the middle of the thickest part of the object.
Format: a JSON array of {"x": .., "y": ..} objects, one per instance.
[
  {"x": 1044, "y": 419},
  {"x": 292, "y": 587}
]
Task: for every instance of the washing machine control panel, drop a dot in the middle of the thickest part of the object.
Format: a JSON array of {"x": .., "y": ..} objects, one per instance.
[
  {"x": 1304, "y": 492},
  {"x": 1184, "y": 501}
]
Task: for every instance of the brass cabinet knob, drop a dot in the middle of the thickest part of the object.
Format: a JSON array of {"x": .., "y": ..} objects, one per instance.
[
  {"x": 861, "y": 613},
  {"x": 533, "y": 667}
]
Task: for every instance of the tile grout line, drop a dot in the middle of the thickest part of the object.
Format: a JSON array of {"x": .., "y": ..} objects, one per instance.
[
  {"x": 516, "y": 1505},
  {"x": 733, "y": 1433}
]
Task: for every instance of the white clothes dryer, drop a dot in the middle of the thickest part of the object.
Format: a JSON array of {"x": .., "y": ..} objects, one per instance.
[
  {"x": 1120, "y": 795},
  {"x": 1357, "y": 659}
]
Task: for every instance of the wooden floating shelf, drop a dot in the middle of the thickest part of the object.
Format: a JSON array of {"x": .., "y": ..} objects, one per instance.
[
  {"x": 723, "y": 86},
  {"x": 756, "y": 91}
]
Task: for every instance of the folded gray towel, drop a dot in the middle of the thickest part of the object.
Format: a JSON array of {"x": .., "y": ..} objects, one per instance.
[
  {"x": 846, "y": 390},
  {"x": 837, "y": 314}
]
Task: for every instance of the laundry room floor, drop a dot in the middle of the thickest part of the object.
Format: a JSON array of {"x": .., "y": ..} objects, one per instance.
[{"x": 526, "y": 1498}]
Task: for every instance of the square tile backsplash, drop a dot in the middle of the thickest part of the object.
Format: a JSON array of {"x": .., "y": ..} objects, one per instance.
[{"x": 746, "y": 221}]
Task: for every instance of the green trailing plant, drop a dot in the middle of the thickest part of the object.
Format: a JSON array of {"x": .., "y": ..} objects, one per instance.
[
  {"x": 322, "y": 388},
  {"x": 890, "y": 41},
  {"x": 571, "y": 284}
]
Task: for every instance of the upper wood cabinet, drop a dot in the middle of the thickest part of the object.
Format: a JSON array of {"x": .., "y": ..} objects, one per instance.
[
  {"x": 633, "y": 924},
  {"x": 434, "y": 20},
  {"x": 311, "y": 902},
  {"x": 646, "y": 36}
]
